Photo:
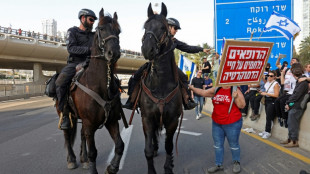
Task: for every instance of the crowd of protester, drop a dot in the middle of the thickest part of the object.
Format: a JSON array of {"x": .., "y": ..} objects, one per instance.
[
  {"x": 283, "y": 91},
  {"x": 37, "y": 35}
]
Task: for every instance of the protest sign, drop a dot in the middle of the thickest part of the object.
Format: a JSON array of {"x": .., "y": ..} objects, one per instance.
[{"x": 242, "y": 62}]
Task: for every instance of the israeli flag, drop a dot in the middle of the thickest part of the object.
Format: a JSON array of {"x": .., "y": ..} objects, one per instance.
[
  {"x": 187, "y": 66},
  {"x": 282, "y": 24}
]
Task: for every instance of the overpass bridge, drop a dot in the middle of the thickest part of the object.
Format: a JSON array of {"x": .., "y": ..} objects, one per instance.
[{"x": 28, "y": 53}]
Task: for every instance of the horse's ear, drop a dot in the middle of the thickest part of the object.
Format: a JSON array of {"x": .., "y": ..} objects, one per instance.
[
  {"x": 101, "y": 14},
  {"x": 150, "y": 11},
  {"x": 115, "y": 16},
  {"x": 163, "y": 10}
]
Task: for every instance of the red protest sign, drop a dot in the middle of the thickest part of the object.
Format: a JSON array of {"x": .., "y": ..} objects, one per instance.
[{"x": 242, "y": 62}]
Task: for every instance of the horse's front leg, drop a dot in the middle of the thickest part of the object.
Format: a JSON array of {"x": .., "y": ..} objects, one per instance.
[
  {"x": 113, "y": 129},
  {"x": 170, "y": 130},
  {"x": 149, "y": 133},
  {"x": 155, "y": 145},
  {"x": 83, "y": 151},
  {"x": 92, "y": 151},
  {"x": 69, "y": 141}
]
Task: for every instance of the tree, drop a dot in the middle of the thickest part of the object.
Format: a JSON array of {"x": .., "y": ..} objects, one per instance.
[
  {"x": 196, "y": 58},
  {"x": 304, "y": 50}
]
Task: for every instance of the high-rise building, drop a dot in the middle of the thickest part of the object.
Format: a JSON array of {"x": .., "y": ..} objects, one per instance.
[
  {"x": 306, "y": 18},
  {"x": 49, "y": 27}
]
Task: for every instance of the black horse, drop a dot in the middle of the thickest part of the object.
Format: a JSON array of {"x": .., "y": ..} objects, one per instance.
[
  {"x": 161, "y": 99},
  {"x": 97, "y": 98}
]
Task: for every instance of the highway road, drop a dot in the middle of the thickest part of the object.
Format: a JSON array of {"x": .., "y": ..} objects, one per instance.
[{"x": 31, "y": 143}]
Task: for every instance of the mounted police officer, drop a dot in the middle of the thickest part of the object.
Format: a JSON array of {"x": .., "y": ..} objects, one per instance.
[
  {"x": 188, "y": 102},
  {"x": 79, "y": 41}
]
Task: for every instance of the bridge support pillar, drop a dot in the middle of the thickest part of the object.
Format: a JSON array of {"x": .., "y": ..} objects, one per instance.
[{"x": 38, "y": 76}]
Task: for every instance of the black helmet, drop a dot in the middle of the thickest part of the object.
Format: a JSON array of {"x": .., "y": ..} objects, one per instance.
[
  {"x": 87, "y": 12},
  {"x": 174, "y": 22}
]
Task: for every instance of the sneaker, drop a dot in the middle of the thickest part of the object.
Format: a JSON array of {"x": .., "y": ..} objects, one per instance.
[
  {"x": 255, "y": 117},
  {"x": 292, "y": 144},
  {"x": 285, "y": 141},
  {"x": 215, "y": 168},
  {"x": 243, "y": 114},
  {"x": 262, "y": 133},
  {"x": 236, "y": 168},
  {"x": 266, "y": 135},
  {"x": 197, "y": 117}
]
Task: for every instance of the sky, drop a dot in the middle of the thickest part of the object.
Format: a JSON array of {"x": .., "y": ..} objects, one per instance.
[{"x": 195, "y": 16}]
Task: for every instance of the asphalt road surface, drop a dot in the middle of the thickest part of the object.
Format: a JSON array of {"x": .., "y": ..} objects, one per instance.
[{"x": 31, "y": 143}]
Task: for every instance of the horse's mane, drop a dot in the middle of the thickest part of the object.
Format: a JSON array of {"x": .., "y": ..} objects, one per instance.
[
  {"x": 160, "y": 17},
  {"x": 109, "y": 20}
]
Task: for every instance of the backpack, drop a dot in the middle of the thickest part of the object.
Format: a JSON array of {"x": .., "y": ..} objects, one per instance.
[{"x": 50, "y": 89}]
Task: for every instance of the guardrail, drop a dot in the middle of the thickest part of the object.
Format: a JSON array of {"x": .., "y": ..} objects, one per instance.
[{"x": 10, "y": 92}]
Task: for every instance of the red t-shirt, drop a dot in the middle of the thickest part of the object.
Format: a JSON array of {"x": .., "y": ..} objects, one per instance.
[{"x": 221, "y": 102}]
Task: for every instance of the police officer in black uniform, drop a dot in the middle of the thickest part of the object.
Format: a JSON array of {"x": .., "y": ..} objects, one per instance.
[
  {"x": 174, "y": 26},
  {"x": 79, "y": 41}
]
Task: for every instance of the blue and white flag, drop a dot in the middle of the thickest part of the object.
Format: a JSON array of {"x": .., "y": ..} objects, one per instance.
[
  {"x": 187, "y": 66},
  {"x": 282, "y": 24}
]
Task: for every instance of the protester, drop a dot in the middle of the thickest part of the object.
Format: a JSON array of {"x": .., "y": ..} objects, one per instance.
[
  {"x": 216, "y": 64},
  {"x": 288, "y": 82},
  {"x": 208, "y": 82},
  {"x": 198, "y": 82},
  {"x": 255, "y": 101},
  {"x": 295, "y": 112},
  {"x": 225, "y": 124},
  {"x": 251, "y": 92},
  {"x": 206, "y": 67},
  {"x": 272, "y": 92},
  {"x": 307, "y": 70}
]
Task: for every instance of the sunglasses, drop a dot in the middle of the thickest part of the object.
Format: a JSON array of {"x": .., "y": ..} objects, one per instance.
[
  {"x": 175, "y": 28},
  {"x": 91, "y": 19},
  {"x": 269, "y": 75}
]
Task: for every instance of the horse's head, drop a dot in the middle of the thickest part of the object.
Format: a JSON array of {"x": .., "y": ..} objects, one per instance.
[
  {"x": 156, "y": 33},
  {"x": 107, "y": 37}
]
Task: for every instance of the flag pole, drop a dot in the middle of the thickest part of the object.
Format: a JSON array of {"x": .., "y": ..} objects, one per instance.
[{"x": 233, "y": 99}]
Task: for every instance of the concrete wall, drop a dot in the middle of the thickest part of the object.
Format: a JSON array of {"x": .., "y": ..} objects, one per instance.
[{"x": 278, "y": 132}]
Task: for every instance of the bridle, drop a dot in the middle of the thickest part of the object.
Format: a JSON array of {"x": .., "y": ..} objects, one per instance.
[
  {"x": 163, "y": 39},
  {"x": 101, "y": 43}
]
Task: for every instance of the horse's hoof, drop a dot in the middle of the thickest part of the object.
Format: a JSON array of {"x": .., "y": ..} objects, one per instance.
[
  {"x": 85, "y": 165},
  {"x": 72, "y": 165},
  {"x": 155, "y": 153},
  {"x": 111, "y": 170}
]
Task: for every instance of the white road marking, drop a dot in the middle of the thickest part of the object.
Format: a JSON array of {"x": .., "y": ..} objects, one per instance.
[
  {"x": 184, "y": 132},
  {"x": 125, "y": 134},
  {"x": 35, "y": 112}
]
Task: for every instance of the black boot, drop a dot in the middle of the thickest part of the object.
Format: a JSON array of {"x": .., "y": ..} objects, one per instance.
[
  {"x": 128, "y": 105},
  {"x": 191, "y": 103},
  {"x": 65, "y": 120}
]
